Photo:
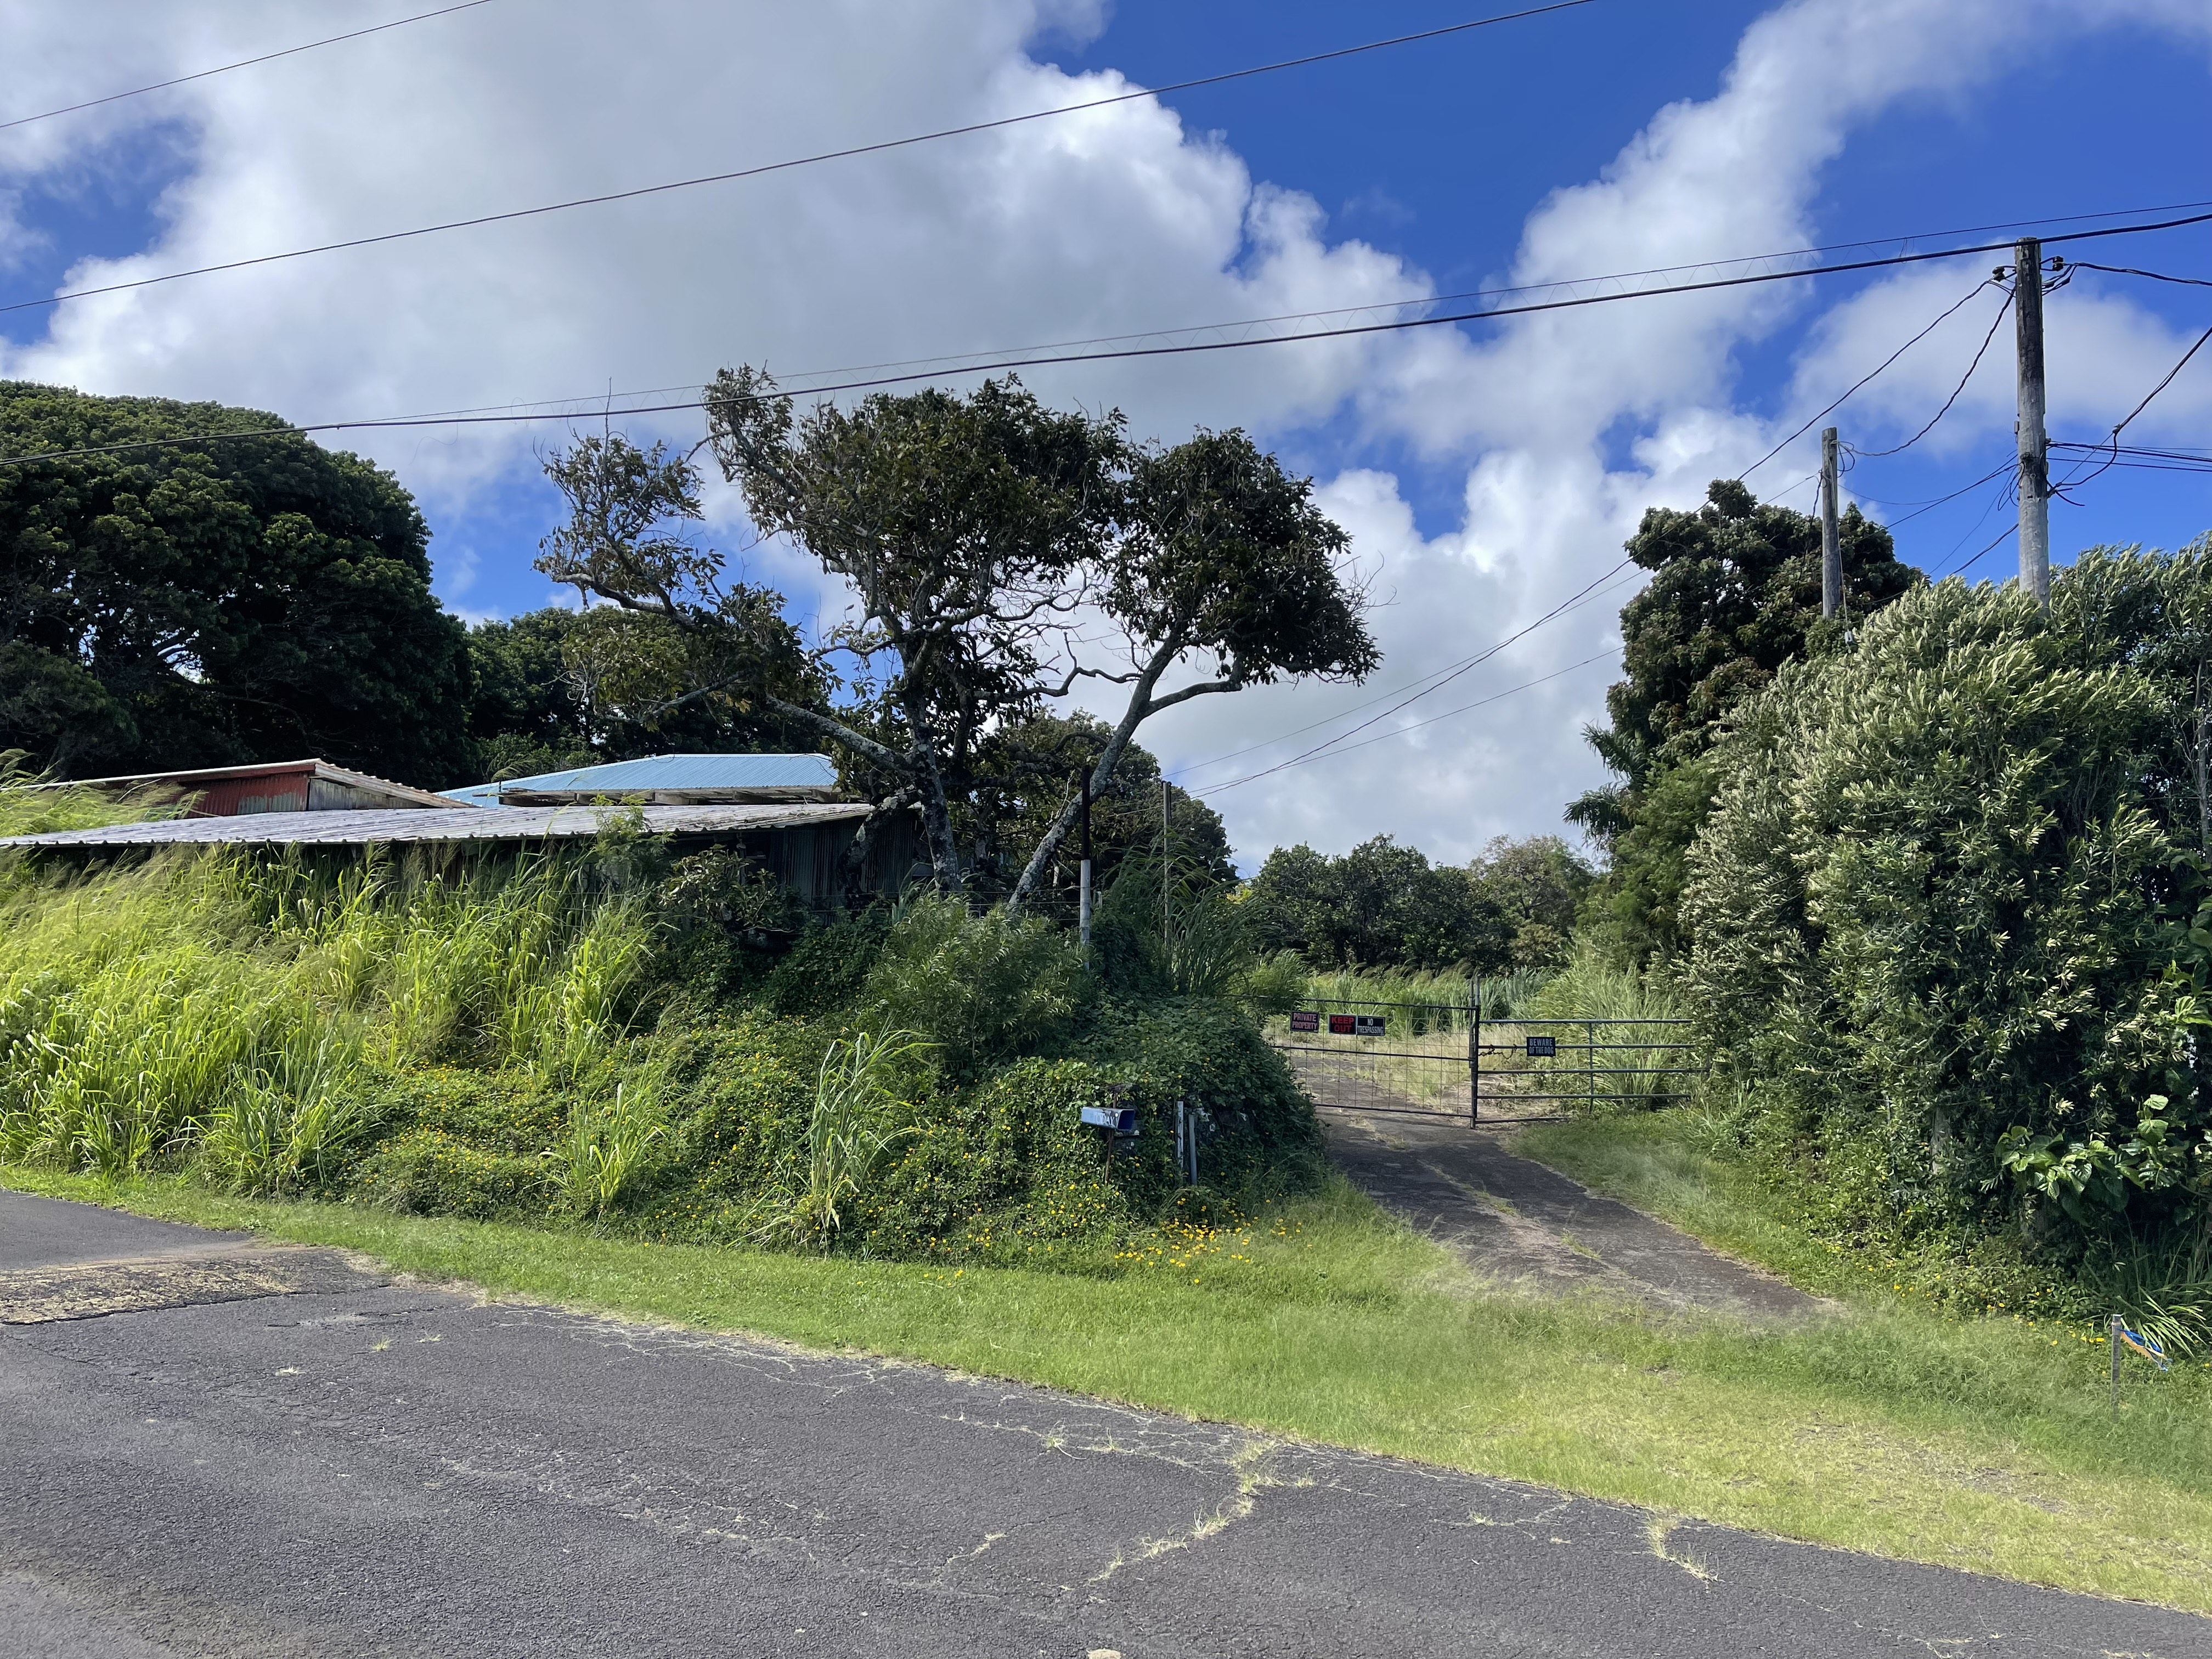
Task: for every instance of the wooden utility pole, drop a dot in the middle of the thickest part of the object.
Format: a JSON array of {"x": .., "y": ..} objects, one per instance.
[
  {"x": 2034, "y": 448},
  {"x": 1832, "y": 547}
]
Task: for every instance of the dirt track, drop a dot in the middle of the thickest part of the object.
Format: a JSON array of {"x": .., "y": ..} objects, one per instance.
[{"x": 1516, "y": 1221}]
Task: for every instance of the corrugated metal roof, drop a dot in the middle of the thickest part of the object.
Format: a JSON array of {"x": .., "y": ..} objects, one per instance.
[
  {"x": 653, "y": 772},
  {"x": 200, "y": 777},
  {"x": 454, "y": 824}
]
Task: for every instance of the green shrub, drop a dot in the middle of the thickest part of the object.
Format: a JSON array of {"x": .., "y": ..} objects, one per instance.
[
  {"x": 1004, "y": 1165},
  {"x": 824, "y": 972},
  {"x": 1275, "y": 986},
  {"x": 1933, "y": 908},
  {"x": 428, "y": 1172},
  {"x": 978, "y": 987}
]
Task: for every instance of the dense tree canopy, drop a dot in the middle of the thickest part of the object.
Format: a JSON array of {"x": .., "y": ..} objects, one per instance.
[
  {"x": 1381, "y": 905},
  {"x": 1947, "y": 914},
  {"x": 998, "y": 553},
  {"x": 1222, "y": 556},
  {"x": 209, "y": 603},
  {"x": 1734, "y": 595},
  {"x": 541, "y": 704},
  {"x": 1028, "y": 772},
  {"x": 1538, "y": 885}
]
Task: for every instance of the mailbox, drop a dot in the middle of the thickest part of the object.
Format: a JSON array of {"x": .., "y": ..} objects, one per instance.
[{"x": 1121, "y": 1119}]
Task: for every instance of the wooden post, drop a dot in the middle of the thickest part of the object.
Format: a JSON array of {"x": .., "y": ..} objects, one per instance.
[
  {"x": 1831, "y": 549},
  {"x": 2035, "y": 449},
  {"x": 2113, "y": 1336}
]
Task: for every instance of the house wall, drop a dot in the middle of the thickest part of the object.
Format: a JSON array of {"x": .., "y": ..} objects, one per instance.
[{"x": 808, "y": 858}]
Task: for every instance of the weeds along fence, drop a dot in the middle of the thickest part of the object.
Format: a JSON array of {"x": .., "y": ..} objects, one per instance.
[{"x": 214, "y": 1001}]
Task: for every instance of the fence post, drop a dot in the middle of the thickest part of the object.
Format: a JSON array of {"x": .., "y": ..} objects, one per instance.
[
  {"x": 1474, "y": 1055},
  {"x": 1591, "y": 1047}
]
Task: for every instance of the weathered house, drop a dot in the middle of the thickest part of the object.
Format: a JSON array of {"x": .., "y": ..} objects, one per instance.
[{"x": 809, "y": 844}]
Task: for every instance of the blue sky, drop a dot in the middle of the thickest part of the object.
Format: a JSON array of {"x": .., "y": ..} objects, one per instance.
[
  {"x": 1394, "y": 145},
  {"x": 1484, "y": 478}
]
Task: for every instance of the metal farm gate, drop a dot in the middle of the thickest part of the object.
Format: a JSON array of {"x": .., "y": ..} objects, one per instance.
[{"x": 1441, "y": 1060}]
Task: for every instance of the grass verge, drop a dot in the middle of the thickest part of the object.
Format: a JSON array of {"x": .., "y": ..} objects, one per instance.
[{"x": 1969, "y": 1445}]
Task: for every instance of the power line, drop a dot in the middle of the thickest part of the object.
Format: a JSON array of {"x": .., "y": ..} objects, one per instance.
[
  {"x": 1328, "y": 720},
  {"x": 1957, "y": 392},
  {"x": 243, "y": 63},
  {"x": 2008, "y": 477},
  {"x": 2008, "y": 529},
  {"x": 2112, "y": 438},
  {"x": 804, "y": 160},
  {"x": 1471, "y": 662},
  {"x": 875, "y": 382},
  {"x": 1947, "y": 316},
  {"x": 1498, "y": 696},
  {"x": 2009, "y": 463},
  {"x": 957, "y": 358},
  {"x": 2154, "y": 276}
]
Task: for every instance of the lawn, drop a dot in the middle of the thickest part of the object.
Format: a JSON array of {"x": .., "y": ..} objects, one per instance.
[{"x": 1979, "y": 1444}]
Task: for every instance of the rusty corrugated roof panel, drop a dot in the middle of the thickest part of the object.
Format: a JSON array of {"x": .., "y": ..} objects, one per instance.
[{"x": 270, "y": 786}]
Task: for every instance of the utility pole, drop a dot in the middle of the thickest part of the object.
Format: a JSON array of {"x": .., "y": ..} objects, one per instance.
[
  {"x": 1083, "y": 898},
  {"x": 1831, "y": 548},
  {"x": 2035, "y": 449}
]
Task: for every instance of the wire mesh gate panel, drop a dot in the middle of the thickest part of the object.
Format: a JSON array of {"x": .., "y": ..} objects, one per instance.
[{"x": 1444, "y": 1060}]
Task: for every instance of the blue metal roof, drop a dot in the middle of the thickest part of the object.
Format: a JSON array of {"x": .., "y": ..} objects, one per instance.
[{"x": 670, "y": 772}]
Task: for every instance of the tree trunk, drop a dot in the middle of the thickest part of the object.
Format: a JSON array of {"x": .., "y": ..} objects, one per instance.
[
  {"x": 936, "y": 811},
  {"x": 1141, "y": 706}
]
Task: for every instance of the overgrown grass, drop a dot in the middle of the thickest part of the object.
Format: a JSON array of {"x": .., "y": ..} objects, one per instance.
[
  {"x": 1978, "y": 1444},
  {"x": 28, "y": 809},
  {"x": 201, "y": 1002},
  {"x": 1433, "y": 1001}
]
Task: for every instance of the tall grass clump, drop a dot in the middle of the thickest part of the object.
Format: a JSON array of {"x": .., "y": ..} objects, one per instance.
[
  {"x": 212, "y": 1005},
  {"x": 849, "y": 1136},
  {"x": 1432, "y": 1000},
  {"x": 32, "y": 803},
  {"x": 1627, "y": 1077}
]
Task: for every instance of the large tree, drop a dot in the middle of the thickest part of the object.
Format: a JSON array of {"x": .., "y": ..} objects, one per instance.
[
  {"x": 1735, "y": 594},
  {"x": 1539, "y": 885},
  {"x": 1029, "y": 772},
  {"x": 184, "y": 600},
  {"x": 1225, "y": 559},
  {"x": 999, "y": 554},
  {"x": 966, "y": 529},
  {"x": 1381, "y": 905},
  {"x": 558, "y": 688}
]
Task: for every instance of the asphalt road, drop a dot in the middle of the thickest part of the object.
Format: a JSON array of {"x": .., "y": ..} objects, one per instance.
[{"x": 343, "y": 1465}]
